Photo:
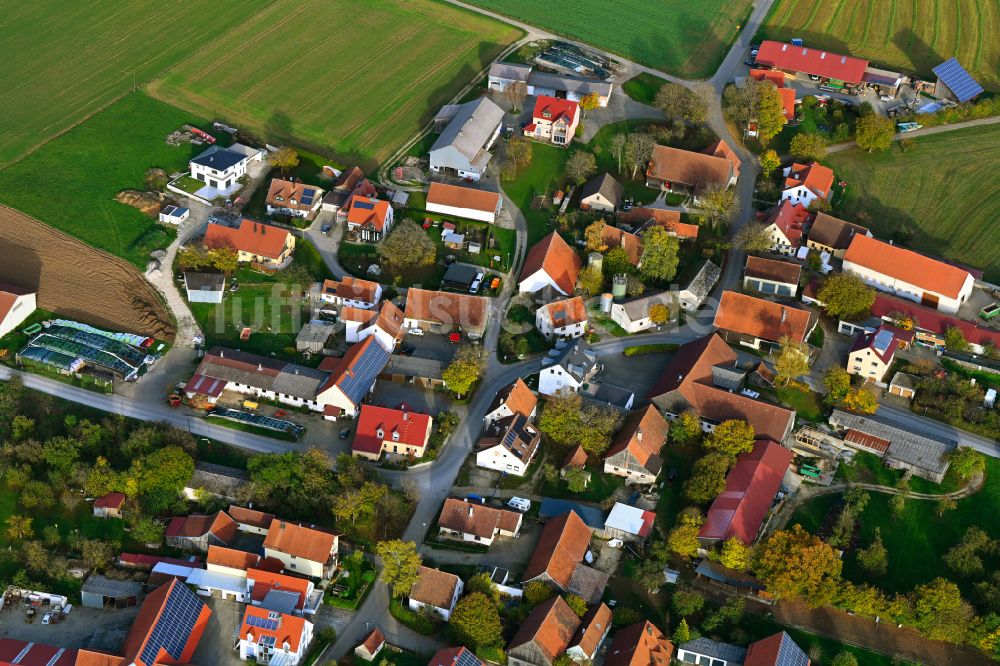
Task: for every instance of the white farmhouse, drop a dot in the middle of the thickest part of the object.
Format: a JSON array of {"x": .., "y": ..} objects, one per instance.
[
  {"x": 464, "y": 202},
  {"x": 563, "y": 320},
  {"x": 436, "y": 590},
  {"x": 567, "y": 368},
  {"x": 15, "y": 306},
  {"x": 508, "y": 445},
  {"x": 633, "y": 314}
]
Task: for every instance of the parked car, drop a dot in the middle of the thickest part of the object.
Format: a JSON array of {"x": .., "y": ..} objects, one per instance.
[
  {"x": 47, "y": 618},
  {"x": 67, "y": 608},
  {"x": 415, "y": 331},
  {"x": 476, "y": 282},
  {"x": 345, "y": 433},
  {"x": 476, "y": 498},
  {"x": 325, "y": 229},
  {"x": 519, "y": 503}
]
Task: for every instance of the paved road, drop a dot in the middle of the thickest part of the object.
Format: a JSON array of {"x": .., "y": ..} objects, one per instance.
[
  {"x": 964, "y": 438},
  {"x": 927, "y": 131}
]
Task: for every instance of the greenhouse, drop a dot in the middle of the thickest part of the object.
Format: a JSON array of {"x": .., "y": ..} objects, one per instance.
[{"x": 69, "y": 347}]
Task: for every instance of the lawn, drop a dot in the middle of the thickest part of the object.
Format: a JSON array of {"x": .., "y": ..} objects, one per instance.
[
  {"x": 683, "y": 38},
  {"x": 65, "y": 60},
  {"x": 601, "y": 486},
  {"x": 643, "y": 87},
  {"x": 808, "y": 405},
  {"x": 932, "y": 197},
  {"x": 70, "y": 183},
  {"x": 912, "y": 36},
  {"x": 353, "y": 80},
  {"x": 600, "y": 145},
  {"x": 918, "y": 538},
  {"x": 542, "y": 177}
]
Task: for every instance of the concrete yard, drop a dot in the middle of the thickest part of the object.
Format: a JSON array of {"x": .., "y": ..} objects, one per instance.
[{"x": 82, "y": 628}]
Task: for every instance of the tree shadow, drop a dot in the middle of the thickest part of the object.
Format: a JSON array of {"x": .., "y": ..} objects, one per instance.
[{"x": 920, "y": 53}]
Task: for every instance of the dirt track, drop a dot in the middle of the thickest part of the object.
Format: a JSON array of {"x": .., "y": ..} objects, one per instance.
[{"x": 78, "y": 281}]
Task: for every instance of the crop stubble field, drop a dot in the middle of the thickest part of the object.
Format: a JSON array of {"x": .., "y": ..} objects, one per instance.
[
  {"x": 354, "y": 79},
  {"x": 65, "y": 60},
  {"x": 914, "y": 35},
  {"x": 943, "y": 189},
  {"x": 77, "y": 281},
  {"x": 682, "y": 37}
]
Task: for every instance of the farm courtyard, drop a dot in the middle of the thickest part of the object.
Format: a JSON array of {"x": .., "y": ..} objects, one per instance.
[
  {"x": 936, "y": 195},
  {"x": 347, "y": 79},
  {"x": 684, "y": 38},
  {"x": 913, "y": 36}
]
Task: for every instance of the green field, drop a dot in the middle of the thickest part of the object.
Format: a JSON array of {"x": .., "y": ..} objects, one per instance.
[
  {"x": 66, "y": 60},
  {"x": 936, "y": 196},
  {"x": 681, "y": 37},
  {"x": 912, "y": 35},
  {"x": 339, "y": 77},
  {"x": 70, "y": 183}
]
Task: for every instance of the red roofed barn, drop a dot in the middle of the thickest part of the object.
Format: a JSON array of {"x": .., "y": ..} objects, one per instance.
[
  {"x": 168, "y": 627},
  {"x": 794, "y": 59}
]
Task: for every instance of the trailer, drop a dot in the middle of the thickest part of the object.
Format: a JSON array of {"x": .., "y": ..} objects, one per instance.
[
  {"x": 908, "y": 127},
  {"x": 991, "y": 311}
]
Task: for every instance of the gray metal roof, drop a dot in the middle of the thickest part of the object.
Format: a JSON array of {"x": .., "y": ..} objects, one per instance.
[
  {"x": 613, "y": 395},
  {"x": 906, "y": 443},
  {"x": 195, "y": 281},
  {"x": 315, "y": 331},
  {"x": 717, "y": 649},
  {"x": 280, "y": 601},
  {"x": 415, "y": 366},
  {"x": 217, "y": 479},
  {"x": 510, "y": 71},
  {"x": 569, "y": 84},
  {"x": 606, "y": 185},
  {"x": 638, "y": 307},
  {"x": 959, "y": 81},
  {"x": 471, "y": 128},
  {"x": 703, "y": 281},
  {"x": 110, "y": 587},
  {"x": 576, "y": 359}
]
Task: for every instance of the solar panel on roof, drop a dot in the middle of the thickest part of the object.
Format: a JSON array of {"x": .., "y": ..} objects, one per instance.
[
  {"x": 467, "y": 658},
  {"x": 262, "y": 622},
  {"x": 356, "y": 383},
  {"x": 959, "y": 81},
  {"x": 365, "y": 204},
  {"x": 267, "y": 641},
  {"x": 306, "y": 200},
  {"x": 309, "y": 192},
  {"x": 174, "y": 626},
  {"x": 882, "y": 340},
  {"x": 790, "y": 654}
]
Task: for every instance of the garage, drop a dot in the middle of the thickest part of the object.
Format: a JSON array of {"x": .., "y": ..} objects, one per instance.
[{"x": 101, "y": 592}]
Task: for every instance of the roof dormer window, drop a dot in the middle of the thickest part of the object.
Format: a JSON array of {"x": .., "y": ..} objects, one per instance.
[
  {"x": 546, "y": 114},
  {"x": 380, "y": 433}
]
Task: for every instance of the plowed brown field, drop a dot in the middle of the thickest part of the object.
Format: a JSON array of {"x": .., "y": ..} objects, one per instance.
[{"x": 77, "y": 281}]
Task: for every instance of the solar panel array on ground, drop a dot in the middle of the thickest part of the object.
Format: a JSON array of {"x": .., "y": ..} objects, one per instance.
[
  {"x": 259, "y": 420},
  {"x": 90, "y": 348}
]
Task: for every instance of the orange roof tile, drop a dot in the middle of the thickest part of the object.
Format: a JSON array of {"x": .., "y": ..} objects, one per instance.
[
  {"x": 256, "y": 238},
  {"x": 245, "y": 516},
  {"x": 815, "y": 177},
  {"x": 198, "y": 525},
  {"x": 518, "y": 398},
  {"x": 778, "y": 79},
  {"x": 641, "y": 218},
  {"x": 290, "y": 191},
  {"x": 790, "y": 218},
  {"x": 643, "y": 434},
  {"x": 562, "y": 545},
  {"x": 906, "y": 266},
  {"x": 773, "y": 269},
  {"x": 238, "y": 559},
  {"x": 553, "y": 255},
  {"x": 577, "y": 459},
  {"x": 640, "y": 644},
  {"x": 594, "y": 627},
  {"x": 352, "y": 289},
  {"x": 411, "y": 428},
  {"x": 150, "y": 615},
  {"x": 721, "y": 149},
  {"x": 477, "y": 519},
  {"x": 456, "y": 196},
  {"x": 689, "y": 168},
  {"x": 301, "y": 541},
  {"x": 762, "y": 319},
  {"x": 549, "y": 627},
  {"x": 289, "y": 629},
  {"x": 434, "y": 587},
  {"x": 368, "y": 210},
  {"x": 374, "y": 640},
  {"x": 446, "y": 308},
  {"x": 265, "y": 581},
  {"x": 566, "y": 312},
  {"x": 614, "y": 237}
]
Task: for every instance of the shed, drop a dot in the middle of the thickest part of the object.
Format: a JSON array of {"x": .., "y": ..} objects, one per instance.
[
  {"x": 101, "y": 592},
  {"x": 628, "y": 523},
  {"x": 109, "y": 506},
  {"x": 172, "y": 214},
  {"x": 903, "y": 385},
  {"x": 216, "y": 480},
  {"x": 427, "y": 372},
  {"x": 954, "y": 82},
  {"x": 460, "y": 277},
  {"x": 204, "y": 287},
  {"x": 593, "y": 516},
  {"x": 313, "y": 336}
]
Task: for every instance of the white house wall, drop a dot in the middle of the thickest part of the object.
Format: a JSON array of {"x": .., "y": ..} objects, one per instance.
[
  {"x": 23, "y": 306},
  {"x": 467, "y": 213},
  {"x": 889, "y": 284}
]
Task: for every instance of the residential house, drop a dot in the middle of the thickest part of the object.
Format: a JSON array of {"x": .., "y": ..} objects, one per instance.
[
  {"x": 675, "y": 169},
  {"x": 16, "y": 305},
  {"x": 350, "y": 182},
  {"x": 469, "y": 521},
  {"x": 198, "y": 532},
  {"x": 872, "y": 353},
  {"x": 259, "y": 244},
  {"x": 553, "y": 121},
  {"x": 386, "y": 325},
  {"x": 628, "y": 523},
  {"x": 640, "y": 218},
  {"x": 443, "y": 312},
  {"x": 109, "y": 506},
  {"x": 632, "y": 314},
  {"x": 250, "y": 520},
  {"x": 697, "y": 290},
  {"x": 167, "y": 628},
  {"x": 283, "y": 594},
  {"x": 641, "y": 644},
  {"x": 464, "y": 202},
  {"x": 436, "y": 590},
  {"x": 908, "y": 274},
  {"x": 544, "y": 635},
  {"x": 613, "y": 237},
  {"x": 589, "y": 638},
  {"x": 351, "y": 378},
  {"x": 293, "y": 198},
  {"x": 771, "y": 276},
  {"x": 635, "y": 452},
  {"x": 558, "y": 559},
  {"x": 785, "y": 224},
  {"x": 508, "y": 445},
  {"x": 601, "y": 194},
  {"x": 795, "y": 59},
  {"x": 562, "y": 320},
  {"x": 237, "y": 562},
  {"x": 172, "y": 214},
  {"x": 204, "y": 287},
  {"x": 804, "y": 183},
  {"x": 760, "y": 324},
  {"x": 369, "y": 218},
  {"x": 268, "y": 637},
  {"x": 351, "y": 292},
  {"x": 463, "y": 148},
  {"x": 776, "y": 650},
  {"x": 833, "y": 235},
  {"x": 567, "y": 368},
  {"x": 221, "y": 168},
  {"x": 371, "y": 646},
  {"x": 777, "y": 79},
  {"x": 460, "y": 656},
  {"x": 551, "y": 265},
  {"x": 398, "y": 432},
  {"x": 704, "y": 376},
  {"x": 721, "y": 149},
  {"x": 306, "y": 550},
  {"x": 751, "y": 485},
  {"x": 515, "y": 398},
  {"x": 930, "y": 325},
  {"x": 901, "y": 445},
  {"x": 706, "y": 652}
]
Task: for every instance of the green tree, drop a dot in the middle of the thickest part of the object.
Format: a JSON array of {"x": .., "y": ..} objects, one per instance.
[
  {"x": 464, "y": 369},
  {"x": 708, "y": 477},
  {"x": 577, "y": 604},
  {"x": 407, "y": 246},
  {"x": 875, "y": 132},
  {"x": 946, "y": 504},
  {"x": 536, "y": 592},
  {"x": 683, "y": 539},
  {"x": 808, "y": 147},
  {"x": 735, "y": 554},
  {"x": 616, "y": 262},
  {"x": 731, "y": 437},
  {"x": 482, "y": 583},
  {"x": 36, "y": 559},
  {"x": 147, "y": 530},
  {"x": 476, "y": 621},
  {"x": 285, "y": 159},
  {"x": 718, "y": 203},
  {"x": 225, "y": 259},
  {"x": 51, "y": 537},
  {"x": 19, "y": 527},
  {"x": 966, "y": 462},
  {"x": 594, "y": 236},
  {"x": 61, "y": 452},
  {"x": 861, "y": 400},
  {"x": 400, "y": 565},
  {"x": 685, "y": 428},
  {"x": 589, "y": 102},
  {"x": 837, "y": 382},
  {"x": 792, "y": 360},
  {"x": 875, "y": 558},
  {"x": 753, "y": 237},
  {"x": 955, "y": 340},
  {"x": 939, "y": 612},
  {"x": 21, "y": 427},
  {"x": 844, "y": 659},
  {"x": 797, "y": 565},
  {"x": 590, "y": 280},
  {"x": 520, "y": 152},
  {"x": 676, "y": 101},
  {"x": 846, "y": 296},
  {"x": 618, "y": 147},
  {"x": 770, "y": 112},
  {"x": 769, "y": 161},
  {"x": 576, "y": 480},
  {"x": 567, "y": 421},
  {"x": 581, "y": 166},
  {"x": 682, "y": 634},
  {"x": 659, "y": 254},
  {"x": 856, "y": 499},
  {"x": 687, "y": 602},
  {"x": 96, "y": 554},
  {"x": 161, "y": 475}
]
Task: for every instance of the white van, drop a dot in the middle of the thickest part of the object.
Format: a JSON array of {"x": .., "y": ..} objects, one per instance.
[{"x": 519, "y": 503}]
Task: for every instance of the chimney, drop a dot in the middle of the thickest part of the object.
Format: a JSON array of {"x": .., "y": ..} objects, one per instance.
[
  {"x": 260, "y": 367},
  {"x": 471, "y": 510},
  {"x": 784, "y": 315},
  {"x": 638, "y": 434}
]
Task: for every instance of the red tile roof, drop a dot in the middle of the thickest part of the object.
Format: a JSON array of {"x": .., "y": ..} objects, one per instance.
[
  {"x": 721, "y": 149},
  {"x": 446, "y": 308},
  {"x": 373, "y": 641},
  {"x": 352, "y": 289},
  {"x": 456, "y": 196},
  {"x": 751, "y": 485},
  {"x": 566, "y": 312},
  {"x": 640, "y": 644},
  {"x": 256, "y": 238},
  {"x": 811, "y": 61},
  {"x": 265, "y": 581},
  {"x": 906, "y": 266},
  {"x": 594, "y": 627},
  {"x": 411, "y": 428},
  {"x": 931, "y": 320},
  {"x": 778, "y": 79},
  {"x": 151, "y": 613},
  {"x": 550, "y": 627},
  {"x": 552, "y": 110},
  {"x": 477, "y": 519},
  {"x": 643, "y": 434},
  {"x": 14, "y": 651},
  {"x": 758, "y": 318},
  {"x": 577, "y": 459},
  {"x": 245, "y": 516},
  {"x": 689, "y": 168},
  {"x": 197, "y": 525},
  {"x": 867, "y": 441},
  {"x": 518, "y": 398},
  {"x": 562, "y": 545},
  {"x": 238, "y": 559},
  {"x": 614, "y": 237},
  {"x": 815, "y": 177},
  {"x": 776, "y": 650},
  {"x": 773, "y": 270},
  {"x": 110, "y": 501},
  {"x": 451, "y": 656},
  {"x": 554, "y": 256},
  {"x": 368, "y": 210},
  {"x": 289, "y": 629},
  {"x": 790, "y": 218},
  {"x": 289, "y": 191},
  {"x": 308, "y": 543},
  {"x": 8, "y": 296}
]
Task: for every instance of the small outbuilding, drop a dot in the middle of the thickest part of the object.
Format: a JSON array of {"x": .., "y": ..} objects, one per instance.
[
  {"x": 312, "y": 337},
  {"x": 204, "y": 287},
  {"x": 109, "y": 506},
  {"x": 172, "y": 214},
  {"x": 903, "y": 385},
  {"x": 101, "y": 592},
  {"x": 628, "y": 523}
]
